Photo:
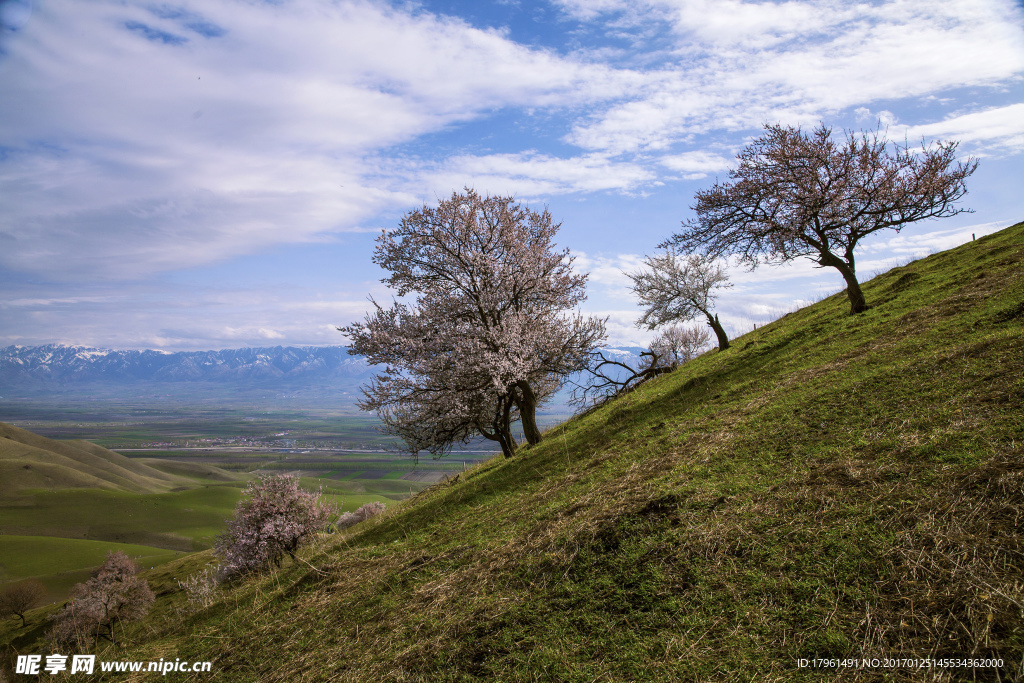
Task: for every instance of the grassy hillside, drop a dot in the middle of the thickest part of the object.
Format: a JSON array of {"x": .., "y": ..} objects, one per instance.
[
  {"x": 831, "y": 486},
  {"x": 60, "y": 563},
  {"x": 30, "y": 461},
  {"x": 64, "y": 504},
  {"x": 181, "y": 520}
]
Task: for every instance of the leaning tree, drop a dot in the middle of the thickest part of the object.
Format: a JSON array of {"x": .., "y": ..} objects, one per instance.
[
  {"x": 795, "y": 194},
  {"x": 490, "y": 334},
  {"x": 673, "y": 288}
]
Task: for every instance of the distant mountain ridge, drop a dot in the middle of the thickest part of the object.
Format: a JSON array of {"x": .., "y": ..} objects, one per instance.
[
  {"x": 62, "y": 364},
  {"x": 324, "y": 373},
  {"x": 318, "y": 373}
]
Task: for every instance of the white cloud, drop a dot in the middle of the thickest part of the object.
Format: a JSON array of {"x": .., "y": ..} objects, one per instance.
[
  {"x": 608, "y": 274},
  {"x": 740, "y": 64},
  {"x": 698, "y": 163},
  {"x": 883, "y": 118},
  {"x": 179, "y": 317},
  {"x": 528, "y": 174},
  {"x": 140, "y": 139},
  {"x": 994, "y": 131},
  {"x": 621, "y": 328}
]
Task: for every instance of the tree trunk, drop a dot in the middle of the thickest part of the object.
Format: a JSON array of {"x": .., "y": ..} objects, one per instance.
[
  {"x": 723, "y": 339},
  {"x": 858, "y": 304},
  {"x": 527, "y": 403},
  {"x": 503, "y": 426},
  {"x": 508, "y": 448},
  {"x": 507, "y": 442}
]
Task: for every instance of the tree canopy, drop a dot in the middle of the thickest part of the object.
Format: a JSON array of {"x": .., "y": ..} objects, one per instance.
[
  {"x": 795, "y": 194},
  {"x": 491, "y": 333},
  {"x": 274, "y": 517},
  {"x": 113, "y": 595}
]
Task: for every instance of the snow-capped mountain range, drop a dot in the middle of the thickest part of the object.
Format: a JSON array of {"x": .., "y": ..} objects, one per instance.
[
  {"x": 315, "y": 372},
  {"x": 55, "y": 363},
  {"x": 78, "y": 371}
]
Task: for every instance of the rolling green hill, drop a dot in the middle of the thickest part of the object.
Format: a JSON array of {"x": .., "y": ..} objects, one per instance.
[
  {"x": 830, "y": 487},
  {"x": 30, "y": 461},
  {"x": 65, "y": 504}
]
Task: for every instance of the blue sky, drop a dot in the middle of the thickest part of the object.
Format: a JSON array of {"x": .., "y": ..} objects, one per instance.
[{"x": 204, "y": 175}]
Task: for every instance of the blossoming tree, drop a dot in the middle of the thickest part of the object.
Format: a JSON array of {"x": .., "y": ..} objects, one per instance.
[
  {"x": 112, "y": 596},
  {"x": 272, "y": 520},
  {"x": 673, "y": 288},
  {"x": 490, "y": 334},
  {"x": 796, "y": 194}
]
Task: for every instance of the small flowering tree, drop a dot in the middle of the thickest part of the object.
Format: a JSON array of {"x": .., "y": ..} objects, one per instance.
[
  {"x": 673, "y": 287},
  {"x": 361, "y": 515},
  {"x": 272, "y": 520},
  {"x": 113, "y": 595},
  {"x": 202, "y": 588},
  {"x": 490, "y": 335},
  {"x": 677, "y": 344}
]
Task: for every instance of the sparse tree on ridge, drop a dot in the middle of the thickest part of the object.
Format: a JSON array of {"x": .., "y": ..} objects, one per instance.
[
  {"x": 795, "y": 194},
  {"x": 673, "y": 288},
  {"x": 607, "y": 377},
  {"x": 19, "y": 598},
  {"x": 491, "y": 333}
]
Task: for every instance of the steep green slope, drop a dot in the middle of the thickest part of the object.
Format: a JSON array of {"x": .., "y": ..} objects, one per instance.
[
  {"x": 832, "y": 486},
  {"x": 30, "y": 461}
]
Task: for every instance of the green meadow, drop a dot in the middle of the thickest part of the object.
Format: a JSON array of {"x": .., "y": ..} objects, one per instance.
[
  {"x": 96, "y": 501},
  {"x": 62, "y": 562},
  {"x": 180, "y": 521},
  {"x": 46, "y": 534}
]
